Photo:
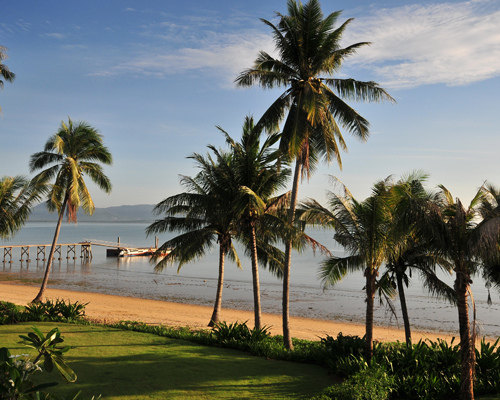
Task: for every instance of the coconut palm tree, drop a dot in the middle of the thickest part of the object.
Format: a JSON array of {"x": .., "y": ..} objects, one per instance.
[
  {"x": 256, "y": 178},
  {"x": 409, "y": 253},
  {"x": 75, "y": 150},
  {"x": 469, "y": 239},
  {"x": 5, "y": 74},
  {"x": 204, "y": 216},
  {"x": 17, "y": 196},
  {"x": 362, "y": 229},
  {"x": 308, "y": 45}
]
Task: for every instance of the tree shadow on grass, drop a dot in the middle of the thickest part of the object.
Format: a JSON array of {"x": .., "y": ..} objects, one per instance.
[
  {"x": 125, "y": 364},
  {"x": 190, "y": 371}
]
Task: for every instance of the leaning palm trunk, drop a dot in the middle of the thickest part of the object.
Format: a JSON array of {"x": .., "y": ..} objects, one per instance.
[
  {"x": 220, "y": 283},
  {"x": 466, "y": 345},
  {"x": 370, "y": 300},
  {"x": 255, "y": 277},
  {"x": 287, "y": 339},
  {"x": 402, "y": 300},
  {"x": 40, "y": 294}
]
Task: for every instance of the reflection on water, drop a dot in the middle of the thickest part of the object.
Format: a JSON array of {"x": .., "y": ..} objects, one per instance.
[{"x": 196, "y": 282}]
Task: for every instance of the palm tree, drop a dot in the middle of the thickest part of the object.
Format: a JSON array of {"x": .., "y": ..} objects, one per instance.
[
  {"x": 5, "y": 73},
  {"x": 309, "y": 55},
  {"x": 490, "y": 208},
  {"x": 74, "y": 151},
  {"x": 408, "y": 251},
  {"x": 469, "y": 239},
  {"x": 362, "y": 229},
  {"x": 203, "y": 214},
  {"x": 17, "y": 196},
  {"x": 256, "y": 178}
]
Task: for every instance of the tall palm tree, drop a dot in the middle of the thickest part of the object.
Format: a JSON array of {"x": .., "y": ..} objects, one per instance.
[
  {"x": 204, "y": 216},
  {"x": 17, "y": 196},
  {"x": 362, "y": 229},
  {"x": 469, "y": 239},
  {"x": 5, "y": 73},
  {"x": 309, "y": 55},
  {"x": 75, "y": 150},
  {"x": 256, "y": 178},
  {"x": 408, "y": 251}
]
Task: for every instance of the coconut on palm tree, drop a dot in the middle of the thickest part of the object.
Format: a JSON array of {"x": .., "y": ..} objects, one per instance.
[
  {"x": 256, "y": 177},
  {"x": 469, "y": 238},
  {"x": 17, "y": 196},
  {"x": 203, "y": 215},
  {"x": 76, "y": 150},
  {"x": 309, "y": 56}
]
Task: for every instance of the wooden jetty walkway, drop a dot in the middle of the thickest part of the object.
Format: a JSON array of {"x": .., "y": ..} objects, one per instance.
[{"x": 114, "y": 249}]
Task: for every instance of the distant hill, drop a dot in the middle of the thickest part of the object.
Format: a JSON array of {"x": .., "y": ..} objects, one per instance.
[{"x": 136, "y": 213}]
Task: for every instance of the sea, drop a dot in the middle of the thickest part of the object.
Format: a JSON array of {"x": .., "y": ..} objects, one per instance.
[{"x": 195, "y": 283}]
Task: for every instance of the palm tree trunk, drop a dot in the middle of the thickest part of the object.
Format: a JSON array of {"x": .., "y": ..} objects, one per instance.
[
  {"x": 370, "y": 297},
  {"x": 40, "y": 294},
  {"x": 466, "y": 346},
  {"x": 255, "y": 277},
  {"x": 287, "y": 339},
  {"x": 402, "y": 300},
  {"x": 220, "y": 283}
]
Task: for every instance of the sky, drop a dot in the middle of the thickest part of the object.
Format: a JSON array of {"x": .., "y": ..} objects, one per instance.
[{"x": 156, "y": 77}]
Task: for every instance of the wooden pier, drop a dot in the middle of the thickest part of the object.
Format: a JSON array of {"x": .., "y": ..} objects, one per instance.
[
  {"x": 41, "y": 251},
  {"x": 114, "y": 249}
]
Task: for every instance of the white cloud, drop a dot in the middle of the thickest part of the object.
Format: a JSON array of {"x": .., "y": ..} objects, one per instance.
[
  {"x": 223, "y": 54},
  {"x": 450, "y": 43},
  {"x": 55, "y": 35}
]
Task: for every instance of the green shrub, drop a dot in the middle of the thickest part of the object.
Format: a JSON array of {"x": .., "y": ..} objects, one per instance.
[
  {"x": 425, "y": 370},
  {"x": 368, "y": 384},
  {"x": 238, "y": 335},
  {"x": 58, "y": 310},
  {"x": 10, "y": 313},
  {"x": 488, "y": 368}
]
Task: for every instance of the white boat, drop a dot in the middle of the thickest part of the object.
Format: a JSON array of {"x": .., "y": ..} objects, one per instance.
[{"x": 139, "y": 252}]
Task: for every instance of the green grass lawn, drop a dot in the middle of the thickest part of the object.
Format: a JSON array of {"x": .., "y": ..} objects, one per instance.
[{"x": 131, "y": 365}]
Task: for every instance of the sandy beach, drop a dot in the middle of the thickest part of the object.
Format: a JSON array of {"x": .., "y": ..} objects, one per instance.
[{"x": 111, "y": 308}]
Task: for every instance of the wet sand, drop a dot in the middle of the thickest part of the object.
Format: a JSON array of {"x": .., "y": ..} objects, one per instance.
[{"x": 110, "y": 308}]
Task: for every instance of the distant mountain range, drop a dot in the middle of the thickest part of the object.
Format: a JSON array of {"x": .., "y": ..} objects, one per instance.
[{"x": 136, "y": 213}]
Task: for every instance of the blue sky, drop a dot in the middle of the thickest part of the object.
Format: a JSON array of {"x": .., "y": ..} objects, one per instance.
[{"x": 155, "y": 77}]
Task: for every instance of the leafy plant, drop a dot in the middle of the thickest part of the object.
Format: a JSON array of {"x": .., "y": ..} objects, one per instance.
[
  {"x": 238, "y": 334},
  {"x": 16, "y": 371},
  {"x": 58, "y": 310},
  {"x": 488, "y": 367},
  {"x": 10, "y": 313},
  {"x": 369, "y": 384},
  {"x": 48, "y": 347}
]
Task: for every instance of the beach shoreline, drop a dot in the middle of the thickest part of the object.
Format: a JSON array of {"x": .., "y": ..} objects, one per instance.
[{"x": 112, "y": 308}]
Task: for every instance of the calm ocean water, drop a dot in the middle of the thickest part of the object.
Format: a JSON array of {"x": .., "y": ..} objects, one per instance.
[{"x": 196, "y": 283}]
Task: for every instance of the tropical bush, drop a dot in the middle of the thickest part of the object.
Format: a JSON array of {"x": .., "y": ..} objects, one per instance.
[
  {"x": 488, "y": 368},
  {"x": 10, "y": 313},
  {"x": 372, "y": 383},
  {"x": 58, "y": 310},
  {"x": 238, "y": 334}
]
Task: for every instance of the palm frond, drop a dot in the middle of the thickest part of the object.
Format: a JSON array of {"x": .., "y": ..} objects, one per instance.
[{"x": 334, "y": 269}]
